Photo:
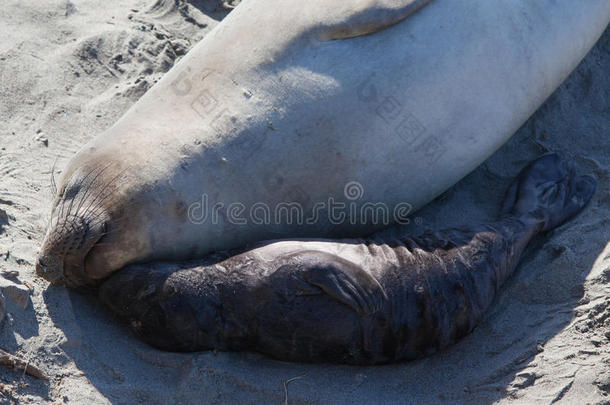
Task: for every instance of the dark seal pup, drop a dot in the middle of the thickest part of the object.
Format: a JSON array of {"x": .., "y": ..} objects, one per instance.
[{"x": 358, "y": 301}]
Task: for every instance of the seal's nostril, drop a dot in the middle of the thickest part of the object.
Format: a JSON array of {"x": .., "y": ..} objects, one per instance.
[{"x": 41, "y": 268}]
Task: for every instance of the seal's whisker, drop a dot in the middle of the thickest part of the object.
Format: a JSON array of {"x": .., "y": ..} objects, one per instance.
[
  {"x": 88, "y": 188},
  {"x": 85, "y": 185},
  {"x": 113, "y": 228},
  {"x": 91, "y": 206},
  {"x": 61, "y": 210},
  {"x": 102, "y": 195},
  {"x": 97, "y": 210},
  {"x": 53, "y": 184},
  {"x": 98, "y": 218},
  {"x": 65, "y": 190},
  {"x": 66, "y": 215}
]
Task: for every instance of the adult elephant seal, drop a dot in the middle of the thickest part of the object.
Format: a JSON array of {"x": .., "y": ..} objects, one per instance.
[
  {"x": 286, "y": 102},
  {"x": 350, "y": 301}
]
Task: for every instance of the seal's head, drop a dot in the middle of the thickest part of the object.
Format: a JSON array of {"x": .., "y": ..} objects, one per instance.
[
  {"x": 79, "y": 220},
  {"x": 112, "y": 209}
]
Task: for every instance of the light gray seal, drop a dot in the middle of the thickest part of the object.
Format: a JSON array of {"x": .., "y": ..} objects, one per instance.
[{"x": 288, "y": 101}]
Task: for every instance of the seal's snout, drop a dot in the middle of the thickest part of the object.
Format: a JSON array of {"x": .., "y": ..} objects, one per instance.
[
  {"x": 78, "y": 222},
  {"x": 50, "y": 267},
  {"x": 68, "y": 241}
]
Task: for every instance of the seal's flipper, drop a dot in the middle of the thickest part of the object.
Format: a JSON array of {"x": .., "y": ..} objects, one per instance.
[
  {"x": 548, "y": 190},
  {"x": 362, "y": 17},
  {"x": 341, "y": 279}
]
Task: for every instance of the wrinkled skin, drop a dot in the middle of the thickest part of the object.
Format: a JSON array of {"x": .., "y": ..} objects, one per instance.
[{"x": 357, "y": 301}]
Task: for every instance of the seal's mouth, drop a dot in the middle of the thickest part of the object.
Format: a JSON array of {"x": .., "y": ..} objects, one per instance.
[
  {"x": 75, "y": 271},
  {"x": 63, "y": 263},
  {"x": 87, "y": 260}
]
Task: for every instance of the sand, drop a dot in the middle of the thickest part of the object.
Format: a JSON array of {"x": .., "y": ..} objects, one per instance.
[{"x": 69, "y": 69}]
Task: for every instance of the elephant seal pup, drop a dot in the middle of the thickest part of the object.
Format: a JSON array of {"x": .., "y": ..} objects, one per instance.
[
  {"x": 358, "y": 301},
  {"x": 287, "y": 102}
]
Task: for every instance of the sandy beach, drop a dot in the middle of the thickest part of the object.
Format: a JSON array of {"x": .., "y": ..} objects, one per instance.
[{"x": 70, "y": 69}]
